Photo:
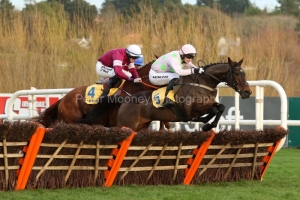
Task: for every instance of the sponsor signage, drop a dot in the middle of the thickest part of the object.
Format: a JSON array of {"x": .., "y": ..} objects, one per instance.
[{"x": 21, "y": 104}]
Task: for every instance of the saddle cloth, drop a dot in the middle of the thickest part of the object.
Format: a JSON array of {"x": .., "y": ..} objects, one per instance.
[
  {"x": 158, "y": 96},
  {"x": 93, "y": 92}
]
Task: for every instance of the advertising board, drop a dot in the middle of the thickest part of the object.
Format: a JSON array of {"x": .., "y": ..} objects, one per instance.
[{"x": 21, "y": 104}]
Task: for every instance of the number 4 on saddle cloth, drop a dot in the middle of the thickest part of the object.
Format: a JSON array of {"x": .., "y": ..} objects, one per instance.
[
  {"x": 158, "y": 96},
  {"x": 93, "y": 92}
]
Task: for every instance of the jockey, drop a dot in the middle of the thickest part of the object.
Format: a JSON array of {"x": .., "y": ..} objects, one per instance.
[
  {"x": 138, "y": 63},
  {"x": 168, "y": 68},
  {"x": 118, "y": 64}
]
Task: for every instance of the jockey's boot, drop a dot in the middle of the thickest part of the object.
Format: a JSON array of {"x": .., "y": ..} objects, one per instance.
[
  {"x": 112, "y": 81},
  {"x": 168, "y": 102}
]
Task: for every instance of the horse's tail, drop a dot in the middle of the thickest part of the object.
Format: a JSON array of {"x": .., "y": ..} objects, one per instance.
[
  {"x": 104, "y": 105},
  {"x": 48, "y": 116}
]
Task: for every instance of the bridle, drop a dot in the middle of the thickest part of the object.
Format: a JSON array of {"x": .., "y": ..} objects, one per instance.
[{"x": 230, "y": 80}]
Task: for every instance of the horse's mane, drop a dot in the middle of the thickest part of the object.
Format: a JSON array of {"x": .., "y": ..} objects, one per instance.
[
  {"x": 144, "y": 71},
  {"x": 211, "y": 64},
  {"x": 147, "y": 66}
]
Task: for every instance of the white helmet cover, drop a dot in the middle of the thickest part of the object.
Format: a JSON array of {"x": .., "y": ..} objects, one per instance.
[
  {"x": 187, "y": 49},
  {"x": 134, "y": 50}
]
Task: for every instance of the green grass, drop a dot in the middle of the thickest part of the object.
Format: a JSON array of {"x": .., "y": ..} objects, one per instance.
[{"x": 282, "y": 181}]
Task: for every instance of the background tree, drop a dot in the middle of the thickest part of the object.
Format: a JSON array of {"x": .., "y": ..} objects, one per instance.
[
  {"x": 208, "y": 3},
  {"x": 129, "y": 7},
  {"x": 233, "y": 6},
  {"x": 254, "y": 10},
  {"x": 227, "y": 6},
  {"x": 289, "y": 7},
  {"x": 80, "y": 10},
  {"x": 6, "y": 9},
  {"x": 49, "y": 8}
]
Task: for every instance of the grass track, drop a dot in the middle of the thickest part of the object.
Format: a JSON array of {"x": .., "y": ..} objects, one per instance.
[{"x": 282, "y": 181}]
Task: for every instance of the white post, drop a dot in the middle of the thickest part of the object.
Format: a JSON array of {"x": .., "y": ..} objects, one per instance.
[
  {"x": 261, "y": 108},
  {"x": 237, "y": 110},
  {"x": 258, "y": 102},
  {"x": 177, "y": 126},
  {"x": 47, "y": 100},
  {"x": 197, "y": 126},
  {"x": 217, "y": 129},
  {"x": 157, "y": 124},
  {"x": 32, "y": 103}
]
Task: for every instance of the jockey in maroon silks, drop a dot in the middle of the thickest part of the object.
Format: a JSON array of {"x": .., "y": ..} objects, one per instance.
[{"x": 118, "y": 64}]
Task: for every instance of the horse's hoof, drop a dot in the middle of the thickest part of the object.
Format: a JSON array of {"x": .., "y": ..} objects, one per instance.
[{"x": 206, "y": 127}]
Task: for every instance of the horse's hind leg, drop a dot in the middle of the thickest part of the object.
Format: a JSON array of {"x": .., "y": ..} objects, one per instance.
[
  {"x": 164, "y": 125},
  {"x": 129, "y": 116},
  {"x": 220, "y": 108},
  {"x": 167, "y": 125}
]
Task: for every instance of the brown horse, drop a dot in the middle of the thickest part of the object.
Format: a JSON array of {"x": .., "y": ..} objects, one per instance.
[
  {"x": 73, "y": 107},
  {"x": 194, "y": 98}
]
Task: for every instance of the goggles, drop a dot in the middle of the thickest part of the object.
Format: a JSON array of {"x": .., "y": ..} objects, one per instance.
[
  {"x": 134, "y": 57},
  {"x": 190, "y": 55}
]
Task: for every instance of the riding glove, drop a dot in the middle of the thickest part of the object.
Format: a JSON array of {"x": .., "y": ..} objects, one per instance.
[
  {"x": 137, "y": 80},
  {"x": 198, "y": 70}
]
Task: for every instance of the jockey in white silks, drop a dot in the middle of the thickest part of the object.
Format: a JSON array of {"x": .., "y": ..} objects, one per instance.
[{"x": 168, "y": 68}]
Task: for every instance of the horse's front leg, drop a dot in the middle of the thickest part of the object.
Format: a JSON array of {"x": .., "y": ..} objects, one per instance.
[
  {"x": 220, "y": 109},
  {"x": 212, "y": 112}
]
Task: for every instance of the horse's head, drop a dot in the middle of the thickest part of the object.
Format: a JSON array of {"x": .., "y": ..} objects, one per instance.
[{"x": 236, "y": 79}]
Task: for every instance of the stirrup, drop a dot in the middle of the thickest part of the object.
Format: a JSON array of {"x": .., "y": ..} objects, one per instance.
[
  {"x": 167, "y": 103},
  {"x": 99, "y": 82}
]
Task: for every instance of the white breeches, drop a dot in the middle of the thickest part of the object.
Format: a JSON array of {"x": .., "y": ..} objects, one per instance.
[
  {"x": 108, "y": 72},
  {"x": 161, "y": 78}
]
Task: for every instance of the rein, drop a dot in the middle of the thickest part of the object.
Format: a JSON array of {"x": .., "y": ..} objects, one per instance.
[
  {"x": 229, "y": 78},
  {"x": 148, "y": 85},
  {"x": 203, "y": 86}
]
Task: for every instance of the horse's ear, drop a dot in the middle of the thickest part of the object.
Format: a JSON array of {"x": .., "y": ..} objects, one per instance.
[
  {"x": 241, "y": 61},
  {"x": 230, "y": 61}
]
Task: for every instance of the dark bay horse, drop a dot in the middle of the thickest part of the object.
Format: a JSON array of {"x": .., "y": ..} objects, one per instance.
[
  {"x": 195, "y": 98},
  {"x": 73, "y": 107}
]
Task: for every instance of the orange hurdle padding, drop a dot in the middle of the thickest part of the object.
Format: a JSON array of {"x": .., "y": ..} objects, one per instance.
[
  {"x": 268, "y": 158},
  {"x": 194, "y": 163},
  {"x": 116, "y": 163},
  {"x": 30, "y": 156}
]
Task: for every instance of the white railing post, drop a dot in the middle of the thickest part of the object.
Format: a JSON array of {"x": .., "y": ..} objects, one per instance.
[
  {"x": 259, "y": 108},
  {"x": 157, "y": 124},
  {"x": 237, "y": 110}
]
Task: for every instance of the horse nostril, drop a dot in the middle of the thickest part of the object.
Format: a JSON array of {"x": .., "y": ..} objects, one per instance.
[{"x": 248, "y": 92}]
